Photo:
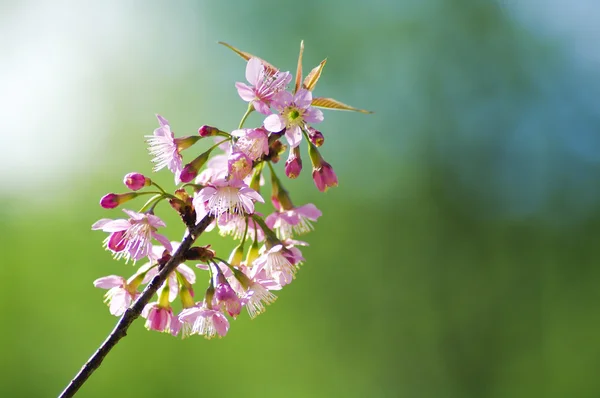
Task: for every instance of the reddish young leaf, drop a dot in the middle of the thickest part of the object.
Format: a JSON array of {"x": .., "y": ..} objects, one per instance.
[
  {"x": 331, "y": 103},
  {"x": 313, "y": 77},
  {"x": 299, "y": 68},
  {"x": 270, "y": 68}
]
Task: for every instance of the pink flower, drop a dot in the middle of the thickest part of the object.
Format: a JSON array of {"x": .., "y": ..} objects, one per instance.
[
  {"x": 294, "y": 114},
  {"x": 120, "y": 295},
  {"x": 276, "y": 265},
  {"x": 263, "y": 85},
  {"x": 226, "y": 297},
  {"x": 223, "y": 197},
  {"x": 239, "y": 165},
  {"x": 205, "y": 321},
  {"x": 161, "y": 318},
  {"x": 132, "y": 238},
  {"x": 216, "y": 169},
  {"x": 297, "y": 220},
  {"x": 235, "y": 225},
  {"x": 253, "y": 142},
  {"x": 163, "y": 146}
]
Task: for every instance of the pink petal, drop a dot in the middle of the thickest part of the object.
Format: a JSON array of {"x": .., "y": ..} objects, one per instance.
[
  {"x": 110, "y": 281},
  {"x": 309, "y": 211},
  {"x": 253, "y": 71},
  {"x": 205, "y": 194},
  {"x": 119, "y": 302},
  {"x": 221, "y": 323},
  {"x": 293, "y": 135},
  {"x": 164, "y": 241},
  {"x": 100, "y": 223},
  {"x": 313, "y": 115},
  {"x": 274, "y": 123},
  {"x": 251, "y": 193},
  {"x": 272, "y": 219},
  {"x": 282, "y": 99},
  {"x": 162, "y": 121},
  {"x": 173, "y": 287},
  {"x": 245, "y": 92},
  {"x": 262, "y": 107},
  {"x": 187, "y": 273},
  {"x": 303, "y": 98}
]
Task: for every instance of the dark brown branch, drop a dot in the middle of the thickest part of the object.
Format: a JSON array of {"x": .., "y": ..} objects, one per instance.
[{"x": 134, "y": 311}]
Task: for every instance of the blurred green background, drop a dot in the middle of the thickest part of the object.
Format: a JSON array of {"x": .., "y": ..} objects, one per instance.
[{"x": 457, "y": 258}]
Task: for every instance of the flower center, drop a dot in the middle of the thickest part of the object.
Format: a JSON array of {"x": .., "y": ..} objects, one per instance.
[{"x": 293, "y": 116}]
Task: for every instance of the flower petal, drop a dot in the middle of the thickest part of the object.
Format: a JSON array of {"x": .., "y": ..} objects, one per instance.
[
  {"x": 274, "y": 123},
  {"x": 254, "y": 69},
  {"x": 303, "y": 98},
  {"x": 108, "y": 282},
  {"x": 293, "y": 135},
  {"x": 245, "y": 92},
  {"x": 313, "y": 115}
]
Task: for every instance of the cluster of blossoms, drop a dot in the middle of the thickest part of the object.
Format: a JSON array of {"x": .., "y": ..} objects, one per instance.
[{"x": 222, "y": 189}]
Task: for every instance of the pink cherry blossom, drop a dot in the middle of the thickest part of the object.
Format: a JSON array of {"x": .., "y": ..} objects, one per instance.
[
  {"x": 294, "y": 114},
  {"x": 276, "y": 265},
  {"x": 119, "y": 296},
  {"x": 263, "y": 85},
  {"x": 239, "y": 165},
  {"x": 253, "y": 142},
  {"x": 132, "y": 238},
  {"x": 161, "y": 318},
  {"x": 163, "y": 146},
  {"x": 224, "y": 197},
  {"x": 226, "y": 297},
  {"x": 235, "y": 225},
  {"x": 294, "y": 221},
  {"x": 204, "y": 321}
]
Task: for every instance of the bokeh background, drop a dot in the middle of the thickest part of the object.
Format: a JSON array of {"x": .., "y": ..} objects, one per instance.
[{"x": 459, "y": 256}]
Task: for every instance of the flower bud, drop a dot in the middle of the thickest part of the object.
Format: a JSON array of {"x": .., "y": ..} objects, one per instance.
[
  {"x": 316, "y": 137},
  {"x": 208, "y": 131},
  {"x": 190, "y": 170},
  {"x": 324, "y": 177},
  {"x": 112, "y": 200},
  {"x": 293, "y": 166},
  {"x": 136, "y": 181}
]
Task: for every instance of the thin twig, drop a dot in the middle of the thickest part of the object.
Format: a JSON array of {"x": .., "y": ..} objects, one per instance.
[{"x": 134, "y": 311}]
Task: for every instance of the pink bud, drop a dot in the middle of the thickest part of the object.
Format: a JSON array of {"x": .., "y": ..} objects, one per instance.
[
  {"x": 136, "y": 181},
  {"x": 208, "y": 131},
  {"x": 316, "y": 137},
  {"x": 110, "y": 201},
  {"x": 324, "y": 177},
  {"x": 293, "y": 166},
  {"x": 188, "y": 173}
]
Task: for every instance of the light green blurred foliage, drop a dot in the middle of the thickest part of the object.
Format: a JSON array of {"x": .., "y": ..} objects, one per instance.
[{"x": 424, "y": 277}]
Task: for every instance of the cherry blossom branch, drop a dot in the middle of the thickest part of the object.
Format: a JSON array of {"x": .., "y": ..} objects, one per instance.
[{"x": 133, "y": 312}]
